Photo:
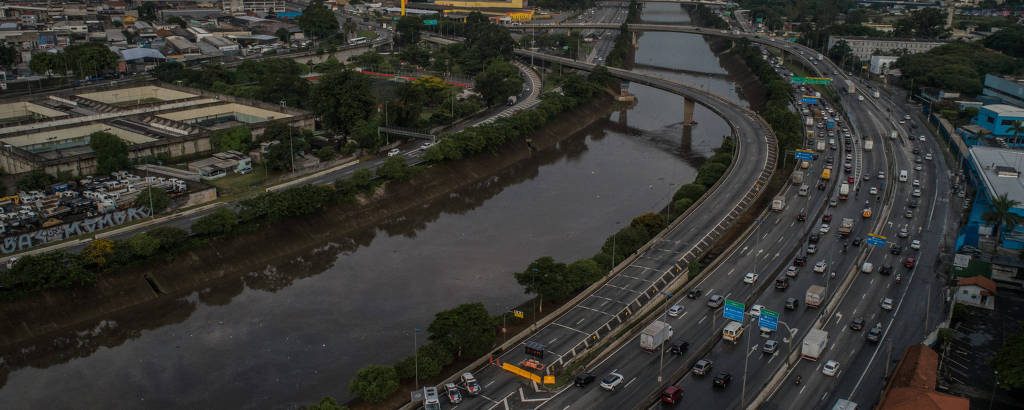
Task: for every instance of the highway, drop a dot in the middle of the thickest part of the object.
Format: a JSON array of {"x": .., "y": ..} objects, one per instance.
[{"x": 638, "y": 283}]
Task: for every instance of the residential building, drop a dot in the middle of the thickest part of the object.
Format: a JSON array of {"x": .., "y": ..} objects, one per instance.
[
  {"x": 259, "y": 6},
  {"x": 1004, "y": 89},
  {"x": 977, "y": 291},
  {"x": 999, "y": 119},
  {"x": 865, "y": 47},
  {"x": 912, "y": 385}
]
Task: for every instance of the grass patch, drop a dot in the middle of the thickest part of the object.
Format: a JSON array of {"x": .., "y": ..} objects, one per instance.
[
  {"x": 237, "y": 183},
  {"x": 368, "y": 34}
]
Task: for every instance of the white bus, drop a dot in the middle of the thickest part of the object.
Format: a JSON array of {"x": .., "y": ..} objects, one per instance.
[{"x": 358, "y": 40}]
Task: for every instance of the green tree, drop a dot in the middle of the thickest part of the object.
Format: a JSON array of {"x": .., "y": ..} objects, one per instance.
[
  {"x": 111, "y": 152},
  {"x": 407, "y": 30},
  {"x": 650, "y": 222},
  {"x": 1009, "y": 362},
  {"x": 89, "y": 59},
  {"x": 584, "y": 272},
  {"x": 317, "y": 20},
  {"x": 428, "y": 367},
  {"x": 326, "y": 153},
  {"x": 237, "y": 138},
  {"x": 325, "y": 403},
  {"x": 142, "y": 245},
  {"x": 923, "y": 23},
  {"x": 177, "y": 20},
  {"x": 147, "y": 11},
  {"x": 464, "y": 330},
  {"x": 1009, "y": 40},
  {"x": 36, "y": 179},
  {"x": 170, "y": 237},
  {"x": 48, "y": 270},
  {"x": 394, "y": 169},
  {"x": 1016, "y": 128},
  {"x": 692, "y": 191},
  {"x": 709, "y": 173},
  {"x": 546, "y": 278},
  {"x": 97, "y": 252},
  {"x": 374, "y": 383},
  {"x": 498, "y": 81},
  {"x": 342, "y": 98},
  {"x": 348, "y": 28},
  {"x": 219, "y": 222},
  {"x": 45, "y": 63},
  {"x": 8, "y": 56},
  {"x": 1002, "y": 215},
  {"x": 155, "y": 199},
  {"x": 283, "y": 34}
]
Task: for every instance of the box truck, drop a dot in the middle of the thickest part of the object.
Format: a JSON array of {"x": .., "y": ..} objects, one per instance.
[
  {"x": 654, "y": 335},
  {"x": 814, "y": 344}
]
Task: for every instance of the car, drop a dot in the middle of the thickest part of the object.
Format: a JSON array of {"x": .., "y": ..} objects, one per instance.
[
  {"x": 902, "y": 122},
  {"x": 857, "y": 324},
  {"x": 881, "y": 174},
  {"x": 472, "y": 386},
  {"x": 770, "y": 346},
  {"x": 887, "y": 303},
  {"x": 917, "y": 192},
  {"x": 827, "y": 217},
  {"x": 782, "y": 283},
  {"x": 675, "y": 310},
  {"x": 833, "y": 203},
  {"x": 885, "y": 270},
  {"x": 921, "y": 138},
  {"x": 875, "y": 334},
  {"x": 393, "y": 152},
  {"x": 912, "y": 203},
  {"x": 916, "y": 150},
  {"x": 702, "y": 367},
  {"x": 671, "y": 395},
  {"x": 801, "y": 216},
  {"x": 855, "y": 242},
  {"x": 791, "y": 271},
  {"x": 916, "y": 183},
  {"x": 903, "y": 232},
  {"x": 851, "y": 179},
  {"x": 814, "y": 238},
  {"x": 812, "y": 249},
  {"x": 824, "y": 228},
  {"x": 800, "y": 260},
  {"x": 873, "y": 191},
  {"x": 928, "y": 156},
  {"x": 909, "y": 263},
  {"x": 750, "y": 277},
  {"x": 907, "y": 117},
  {"x": 918, "y": 160},
  {"x": 715, "y": 301},
  {"x": 453, "y": 393},
  {"x": 583, "y": 379},
  {"x": 792, "y": 303},
  {"x": 694, "y": 293},
  {"x": 755, "y": 310},
  {"x": 915, "y": 244},
  {"x": 426, "y": 145},
  {"x": 722, "y": 380},
  {"x": 679, "y": 347},
  {"x": 831, "y": 368},
  {"x": 820, "y": 267},
  {"x": 918, "y": 167},
  {"x": 908, "y": 214},
  {"x": 866, "y": 177},
  {"x": 611, "y": 381},
  {"x": 849, "y": 157},
  {"x": 896, "y": 249}
]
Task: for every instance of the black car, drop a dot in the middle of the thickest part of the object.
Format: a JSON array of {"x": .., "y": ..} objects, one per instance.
[
  {"x": 885, "y": 270},
  {"x": 802, "y": 216},
  {"x": 855, "y": 242},
  {"x": 800, "y": 260},
  {"x": 694, "y": 293},
  {"x": 875, "y": 334},
  {"x": 912, "y": 203},
  {"x": 679, "y": 347},
  {"x": 722, "y": 380},
  {"x": 857, "y": 324},
  {"x": 782, "y": 283},
  {"x": 896, "y": 250},
  {"x": 792, "y": 303},
  {"x": 584, "y": 379},
  {"x": 813, "y": 238}
]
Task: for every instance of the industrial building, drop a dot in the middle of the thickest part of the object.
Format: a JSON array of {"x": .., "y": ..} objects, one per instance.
[
  {"x": 865, "y": 47},
  {"x": 51, "y": 132},
  {"x": 242, "y": 7}
]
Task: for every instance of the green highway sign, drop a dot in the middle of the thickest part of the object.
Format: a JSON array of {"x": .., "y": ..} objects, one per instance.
[
  {"x": 429, "y": 22},
  {"x": 810, "y": 80}
]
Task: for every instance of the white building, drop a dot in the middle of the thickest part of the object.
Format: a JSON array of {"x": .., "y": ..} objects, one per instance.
[
  {"x": 864, "y": 47},
  {"x": 884, "y": 65},
  {"x": 977, "y": 291},
  {"x": 262, "y": 6}
]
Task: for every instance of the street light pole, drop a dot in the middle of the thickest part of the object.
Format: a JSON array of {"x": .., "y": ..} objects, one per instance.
[
  {"x": 661, "y": 361},
  {"x": 416, "y": 358},
  {"x": 746, "y": 358}
]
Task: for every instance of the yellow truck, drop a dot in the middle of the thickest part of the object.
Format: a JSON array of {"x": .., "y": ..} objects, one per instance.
[{"x": 826, "y": 174}]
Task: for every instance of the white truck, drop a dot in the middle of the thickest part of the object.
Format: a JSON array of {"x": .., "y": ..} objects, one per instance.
[
  {"x": 798, "y": 177},
  {"x": 815, "y": 294},
  {"x": 814, "y": 344},
  {"x": 869, "y": 144},
  {"x": 654, "y": 335},
  {"x": 876, "y": 94},
  {"x": 845, "y": 227},
  {"x": 778, "y": 204},
  {"x": 809, "y": 122},
  {"x": 893, "y": 135},
  {"x": 850, "y": 87},
  {"x": 844, "y": 190},
  {"x": 820, "y": 145},
  {"x": 843, "y": 404},
  {"x": 732, "y": 331},
  {"x": 820, "y": 57}
]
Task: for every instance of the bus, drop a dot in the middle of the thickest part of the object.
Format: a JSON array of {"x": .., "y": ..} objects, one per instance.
[{"x": 358, "y": 40}]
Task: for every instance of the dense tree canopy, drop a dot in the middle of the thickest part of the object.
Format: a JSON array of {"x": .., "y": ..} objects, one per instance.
[
  {"x": 956, "y": 66},
  {"x": 82, "y": 59},
  {"x": 465, "y": 331},
  {"x": 498, "y": 81},
  {"x": 8, "y": 56},
  {"x": 341, "y": 98},
  {"x": 924, "y": 23},
  {"x": 111, "y": 152},
  {"x": 1009, "y": 40},
  {"x": 317, "y": 20}
]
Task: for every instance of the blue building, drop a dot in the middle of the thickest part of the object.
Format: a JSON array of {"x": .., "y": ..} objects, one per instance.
[
  {"x": 1003, "y": 90},
  {"x": 994, "y": 172},
  {"x": 998, "y": 119}
]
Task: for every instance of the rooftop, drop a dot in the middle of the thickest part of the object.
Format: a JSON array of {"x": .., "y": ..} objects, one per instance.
[
  {"x": 992, "y": 163},
  {"x": 980, "y": 281},
  {"x": 1005, "y": 110},
  {"x": 912, "y": 385}
]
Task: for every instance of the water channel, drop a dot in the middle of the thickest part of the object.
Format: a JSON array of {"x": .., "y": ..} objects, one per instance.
[{"x": 346, "y": 306}]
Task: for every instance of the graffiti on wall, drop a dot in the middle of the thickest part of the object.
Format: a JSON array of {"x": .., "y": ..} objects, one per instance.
[{"x": 71, "y": 229}]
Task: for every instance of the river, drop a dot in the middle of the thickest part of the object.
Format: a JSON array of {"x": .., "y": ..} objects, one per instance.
[{"x": 345, "y": 306}]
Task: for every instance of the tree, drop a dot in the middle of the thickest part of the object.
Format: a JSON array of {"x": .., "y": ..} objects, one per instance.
[
  {"x": 219, "y": 222},
  {"x": 923, "y": 23},
  {"x": 374, "y": 383},
  {"x": 326, "y": 153},
  {"x": 584, "y": 272},
  {"x": 48, "y": 270},
  {"x": 546, "y": 278},
  {"x": 498, "y": 81},
  {"x": 111, "y": 152},
  {"x": 142, "y": 245},
  {"x": 35, "y": 180},
  {"x": 1016, "y": 128},
  {"x": 325, "y": 403},
  {"x": 342, "y": 98},
  {"x": 650, "y": 222},
  {"x": 1009, "y": 362},
  {"x": 407, "y": 30},
  {"x": 97, "y": 251},
  {"x": 464, "y": 330},
  {"x": 44, "y": 63},
  {"x": 170, "y": 237},
  {"x": 155, "y": 199},
  {"x": 8, "y": 56},
  {"x": 235, "y": 138},
  {"x": 1009, "y": 40},
  {"x": 89, "y": 59},
  {"x": 317, "y": 20},
  {"x": 348, "y": 28},
  {"x": 147, "y": 11},
  {"x": 283, "y": 34},
  {"x": 1002, "y": 215},
  {"x": 177, "y": 20}
]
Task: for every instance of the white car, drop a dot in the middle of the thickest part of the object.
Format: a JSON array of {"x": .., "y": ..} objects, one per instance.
[
  {"x": 921, "y": 138},
  {"x": 750, "y": 277},
  {"x": 755, "y": 310},
  {"x": 917, "y": 183},
  {"x": 393, "y": 152},
  {"x": 820, "y": 267},
  {"x": 824, "y": 228},
  {"x": 831, "y": 368},
  {"x": 611, "y": 381},
  {"x": 917, "y": 192},
  {"x": 675, "y": 310},
  {"x": 887, "y": 303},
  {"x": 873, "y": 191},
  {"x": 915, "y": 244},
  {"x": 426, "y": 145},
  {"x": 918, "y": 167},
  {"x": 928, "y": 156},
  {"x": 881, "y": 174}
]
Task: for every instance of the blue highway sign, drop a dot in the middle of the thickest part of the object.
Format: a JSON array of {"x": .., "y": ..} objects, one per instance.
[
  {"x": 768, "y": 320},
  {"x": 734, "y": 310}
]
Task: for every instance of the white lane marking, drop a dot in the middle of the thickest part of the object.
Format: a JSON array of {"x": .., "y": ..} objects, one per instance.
[
  {"x": 730, "y": 271},
  {"x": 489, "y": 383},
  {"x": 702, "y": 319},
  {"x": 553, "y": 341},
  {"x": 581, "y": 321},
  {"x": 629, "y": 383},
  {"x": 802, "y": 390}
]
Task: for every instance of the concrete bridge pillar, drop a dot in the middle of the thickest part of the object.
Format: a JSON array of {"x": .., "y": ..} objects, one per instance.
[
  {"x": 688, "y": 112},
  {"x": 636, "y": 42},
  {"x": 685, "y": 144}
]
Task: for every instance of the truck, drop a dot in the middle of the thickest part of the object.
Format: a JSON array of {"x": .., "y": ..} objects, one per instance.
[
  {"x": 814, "y": 344},
  {"x": 512, "y": 100},
  {"x": 732, "y": 331},
  {"x": 798, "y": 177},
  {"x": 654, "y": 335},
  {"x": 876, "y": 94},
  {"x": 820, "y": 57},
  {"x": 850, "y": 87},
  {"x": 830, "y": 124},
  {"x": 843, "y": 404},
  {"x": 869, "y": 144},
  {"x": 815, "y": 294},
  {"x": 809, "y": 122},
  {"x": 845, "y": 227},
  {"x": 826, "y": 174},
  {"x": 820, "y": 145},
  {"x": 844, "y": 191},
  {"x": 778, "y": 204}
]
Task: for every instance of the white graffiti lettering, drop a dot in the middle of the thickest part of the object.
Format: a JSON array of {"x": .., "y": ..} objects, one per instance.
[{"x": 25, "y": 241}]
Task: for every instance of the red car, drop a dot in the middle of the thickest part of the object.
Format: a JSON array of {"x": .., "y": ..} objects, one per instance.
[
  {"x": 909, "y": 263},
  {"x": 850, "y": 179},
  {"x": 826, "y": 218}
]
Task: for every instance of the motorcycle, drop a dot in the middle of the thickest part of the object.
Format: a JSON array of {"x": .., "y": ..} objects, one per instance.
[
  {"x": 833, "y": 275},
  {"x": 898, "y": 278}
]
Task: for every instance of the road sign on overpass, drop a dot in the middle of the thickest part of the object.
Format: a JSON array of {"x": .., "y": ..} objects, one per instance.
[
  {"x": 734, "y": 310},
  {"x": 876, "y": 240},
  {"x": 768, "y": 320},
  {"x": 804, "y": 154},
  {"x": 810, "y": 80}
]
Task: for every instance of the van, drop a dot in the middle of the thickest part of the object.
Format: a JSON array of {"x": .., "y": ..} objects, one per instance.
[
  {"x": 732, "y": 331},
  {"x": 804, "y": 189},
  {"x": 826, "y": 173},
  {"x": 903, "y": 175},
  {"x": 671, "y": 395},
  {"x": 867, "y": 267},
  {"x": 430, "y": 399}
]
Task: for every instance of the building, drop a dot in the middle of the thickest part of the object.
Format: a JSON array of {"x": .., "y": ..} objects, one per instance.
[
  {"x": 51, "y": 132},
  {"x": 865, "y": 47},
  {"x": 912, "y": 385},
  {"x": 1004, "y": 90},
  {"x": 996, "y": 172},
  {"x": 179, "y": 45},
  {"x": 887, "y": 28},
  {"x": 242, "y": 7},
  {"x": 486, "y": 4},
  {"x": 999, "y": 119},
  {"x": 977, "y": 291},
  {"x": 221, "y": 164},
  {"x": 884, "y": 65}
]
